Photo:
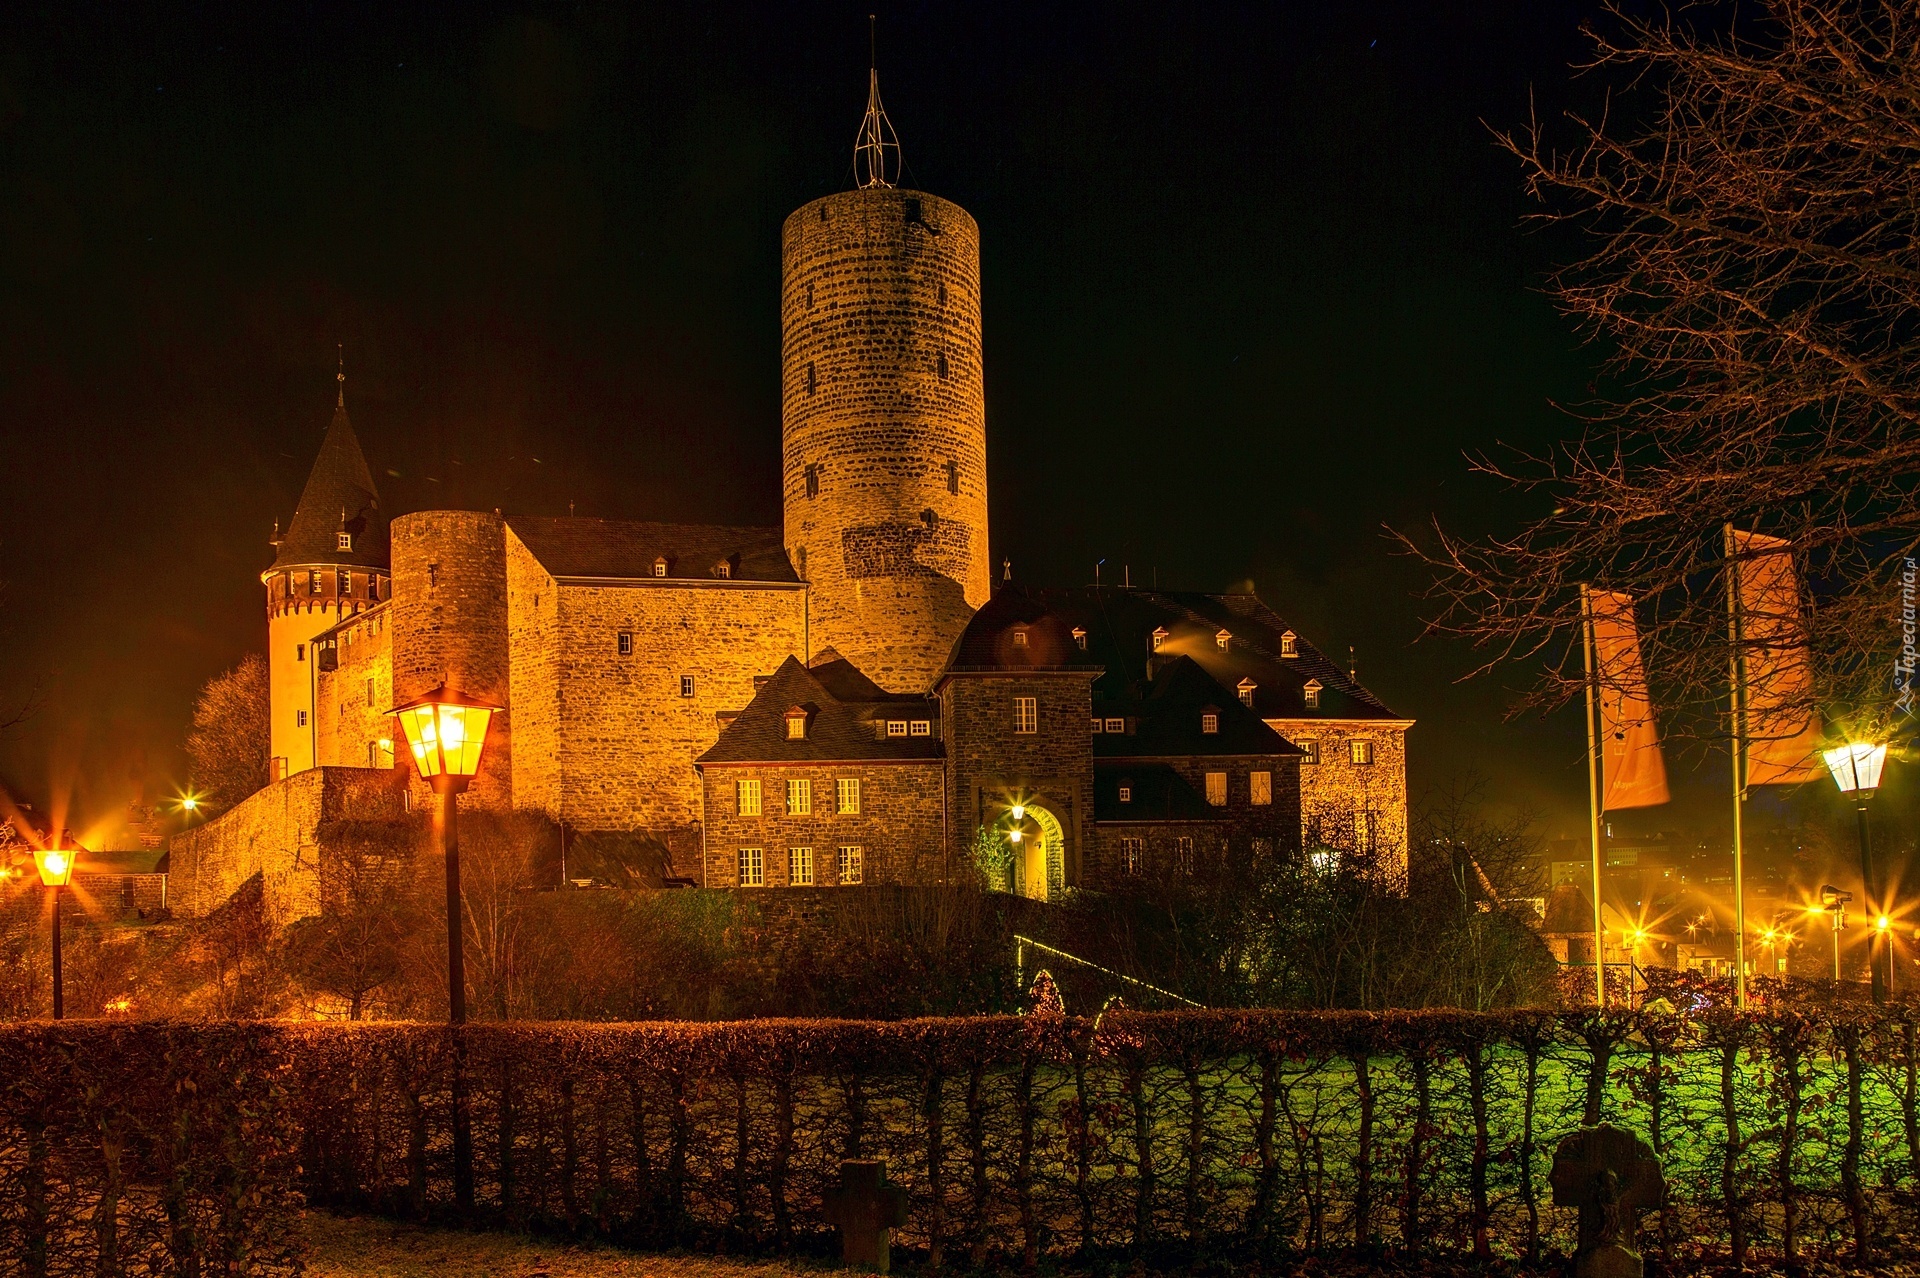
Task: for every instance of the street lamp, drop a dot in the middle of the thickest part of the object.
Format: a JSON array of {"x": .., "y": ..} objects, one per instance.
[
  {"x": 447, "y": 732},
  {"x": 1833, "y": 902},
  {"x": 56, "y": 871},
  {"x": 1856, "y": 770}
]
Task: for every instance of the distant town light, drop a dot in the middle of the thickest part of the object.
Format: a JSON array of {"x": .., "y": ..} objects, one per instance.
[{"x": 1856, "y": 766}]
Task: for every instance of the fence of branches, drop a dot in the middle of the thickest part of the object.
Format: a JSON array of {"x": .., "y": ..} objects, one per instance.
[{"x": 1787, "y": 1135}]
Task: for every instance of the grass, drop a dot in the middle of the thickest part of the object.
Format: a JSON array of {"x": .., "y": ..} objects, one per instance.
[{"x": 359, "y": 1247}]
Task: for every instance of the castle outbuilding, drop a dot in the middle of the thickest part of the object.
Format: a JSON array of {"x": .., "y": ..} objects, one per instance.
[{"x": 842, "y": 701}]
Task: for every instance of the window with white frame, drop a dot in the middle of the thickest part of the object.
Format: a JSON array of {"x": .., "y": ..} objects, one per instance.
[
  {"x": 345, "y": 541},
  {"x": 313, "y": 581},
  {"x": 299, "y": 718},
  {"x": 686, "y": 685},
  {"x": 1246, "y": 689},
  {"x": 624, "y": 644},
  {"x": 1289, "y": 644},
  {"x": 1183, "y": 854},
  {"x": 800, "y": 867},
  {"x": 1223, "y": 639},
  {"x": 1126, "y": 792},
  {"x": 920, "y": 728},
  {"x": 846, "y": 796},
  {"x": 1210, "y": 723},
  {"x": 1026, "y": 714},
  {"x": 1360, "y": 750},
  {"x": 1309, "y": 750},
  {"x": 1260, "y": 789},
  {"x": 896, "y": 727},
  {"x": 1096, "y": 724},
  {"x": 752, "y": 870},
  {"x": 1217, "y": 789},
  {"x": 660, "y": 567},
  {"x": 850, "y": 868},
  {"x": 1019, "y": 638},
  {"x": 1310, "y": 693},
  {"x": 796, "y": 724},
  {"x": 1116, "y": 725},
  {"x": 799, "y": 796},
  {"x": 746, "y": 797},
  {"x": 1132, "y": 853}
]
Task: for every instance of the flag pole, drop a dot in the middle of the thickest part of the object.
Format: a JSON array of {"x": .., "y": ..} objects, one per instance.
[
  {"x": 1736, "y": 701},
  {"x": 1593, "y": 801}
]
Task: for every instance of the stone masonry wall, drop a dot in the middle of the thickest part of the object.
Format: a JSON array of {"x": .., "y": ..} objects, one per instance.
[
  {"x": 1336, "y": 794},
  {"x": 626, "y": 736},
  {"x": 898, "y": 827},
  {"x": 357, "y": 694},
  {"x": 533, "y": 640},
  {"x": 989, "y": 765},
  {"x": 884, "y": 426},
  {"x": 1277, "y": 823},
  {"x": 276, "y": 835},
  {"x": 450, "y": 624}
]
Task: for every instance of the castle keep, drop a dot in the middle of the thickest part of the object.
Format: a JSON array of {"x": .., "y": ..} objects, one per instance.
[{"x": 848, "y": 699}]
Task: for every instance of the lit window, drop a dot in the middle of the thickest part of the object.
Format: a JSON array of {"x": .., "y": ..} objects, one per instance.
[
  {"x": 1289, "y": 645},
  {"x": 626, "y": 645},
  {"x": 1311, "y": 694},
  {"x": 1019, "y": 638},
  {"x": 1183, "y": 854},
  {"x": 1131, "y": 855},
  {"x": 800, "y": 867},
  {"x": 723, "y": 569},
  {"x": 345, "y": 541},
  {"x": 751, "y": 872},
  {"x": 686, "y": 685},
  {"x": 796, "y": 724},
  {"x": 1026, "y": 714},
  {"x": 1079, "y": 638},
  {"x": 313, "y": 581},
  {"x": 1210, "y": 723},
  {"x": 1126, "y": 792},
  {"x": 1217, "y": 789},
  {"x": 847, "y": 795},
  {"x": 1360, "y": 751},
  {"x": 345, "y": 584},
  {"x": 896, "y": 727},
  {"x": 1159, "y": 638},
  {"x": 1247, "y": 687},
  {"x": 660, "y": 567},
  {"x": 300, "y": 718},
  {"x": 1310, "y": 751},
  {"x": 920, "y": 728},
  {"x": 1116, "y": 725},
  {"x": 1223, "y": 639},
  {"x": 850, "y": 867},
  {"x": 1096, "y": 726},
  {"x": 746, "y": 797},
  {"x": 1260, "y": 788},
  {"x": 799, "y": 797}
]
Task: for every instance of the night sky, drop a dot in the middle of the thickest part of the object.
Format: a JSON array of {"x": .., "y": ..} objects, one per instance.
[{"x": 1255, "y": 278}]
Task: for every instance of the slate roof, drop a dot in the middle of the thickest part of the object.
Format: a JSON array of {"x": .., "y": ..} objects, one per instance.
[
  {"x": 576, "y": 546},
  {"x": 1119, "y": 624},
  {"x": 338, "y": 484},
  {"x": 1158, "y": 794},
  {"x": 1168, "y": 719},
  {"x": 841, "y": 705}
]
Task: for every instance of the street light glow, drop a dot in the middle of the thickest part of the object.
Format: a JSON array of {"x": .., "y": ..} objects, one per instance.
[{"x": 1856, "y": 766}]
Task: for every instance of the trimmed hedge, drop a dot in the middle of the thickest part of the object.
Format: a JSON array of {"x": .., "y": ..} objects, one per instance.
[{"x": 1789, "y": 1135}]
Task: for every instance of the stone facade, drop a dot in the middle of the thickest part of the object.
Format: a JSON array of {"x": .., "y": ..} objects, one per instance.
[
  {"x": 1239, "y": 833},
  {"x": 897, "y": 829},
  {"x": 1349, "y": 804},
  {"x": 355, "y": 672},
  {"x": 279, "y": 834},
  {"x": 883, "y": 398}
]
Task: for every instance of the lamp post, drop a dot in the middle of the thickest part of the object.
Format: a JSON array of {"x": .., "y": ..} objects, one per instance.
[
  {"x": 447, "y": 732},
  {"x": 56, "y": 871},
  {"x": 1833, "y": 902},
  {"x": 1856, "y": 770}
]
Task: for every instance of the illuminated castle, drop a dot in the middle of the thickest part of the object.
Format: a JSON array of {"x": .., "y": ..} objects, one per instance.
[{"x": 848, "y": 699}]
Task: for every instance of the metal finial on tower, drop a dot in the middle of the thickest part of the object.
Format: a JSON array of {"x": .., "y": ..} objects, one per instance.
[
  {"x": 876, "y": 152},
  {"x": 340, "y": 349}
]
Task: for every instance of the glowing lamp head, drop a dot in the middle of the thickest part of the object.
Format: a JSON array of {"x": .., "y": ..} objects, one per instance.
[
  {"x": 1013, "y": 836},
  {"x": 55, "y": 865},
  {"x": 1882, "y": 923},
  {"x": 189, "y": 804},
  {"x": 1019, "y": 811},
  {"x": 447, "y": 732},
  {"x": 1856, "y": 766}
]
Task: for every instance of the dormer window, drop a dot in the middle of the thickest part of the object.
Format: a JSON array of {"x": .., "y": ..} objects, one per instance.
[
  {"x": 723, "y": 570},
  {"x": 896, "y": 727},
  {"x": 1126, "y": 792},
  {"x": 1223, "y": 639},
  {"x": 660, "y": 566},
  {"x": 797, "y": 724},
  {"x": 1311, "y": 694},
  {"x": 1079, "y": 638},
  {"x": 1116, "y": 725},
  {"x": 1246, "y": 688},
  {"x": 1159, "y": 637},
  {"x": 1019, "y": 638},
  {"x": 1289, "y": 645},
  {"x": 345, "y": 541},
  {"x": 1210, "y": 723},
  {"x": 920, "y": 728}
]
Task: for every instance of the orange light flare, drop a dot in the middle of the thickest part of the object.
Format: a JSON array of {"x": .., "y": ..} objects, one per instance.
[{"x": 121, "y": 1006}]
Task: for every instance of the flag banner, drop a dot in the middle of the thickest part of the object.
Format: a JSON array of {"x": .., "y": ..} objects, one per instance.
[
  {"x": 1636, "y": 773},
  {"x": 1782, "y": 736}
]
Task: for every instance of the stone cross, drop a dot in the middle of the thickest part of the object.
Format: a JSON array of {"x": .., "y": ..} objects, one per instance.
[
  {"x": 1612, "y": 1176},
  {"x": 867, "y": 1209}
]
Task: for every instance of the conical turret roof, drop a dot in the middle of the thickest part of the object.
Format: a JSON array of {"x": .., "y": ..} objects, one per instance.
[{"x": 339, "y": 497}]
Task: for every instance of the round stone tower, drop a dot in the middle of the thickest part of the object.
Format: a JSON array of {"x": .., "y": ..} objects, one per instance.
[{"x": 884, "y": 426}]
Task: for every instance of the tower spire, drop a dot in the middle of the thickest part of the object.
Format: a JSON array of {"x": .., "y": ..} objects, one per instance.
[{"x": 876, "y": 152}]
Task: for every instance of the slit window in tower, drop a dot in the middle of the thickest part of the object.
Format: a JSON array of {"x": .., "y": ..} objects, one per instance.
[
  {"x": 313, "y": 581},
  {"x": 346, "y": 583},
  {"x": 940, "y": 362},
  {"x": 943, "y": 294},
  {"x": 809, "y": 301},
  {"x": 299, "y": 652},
  {"x": 813, "y": 480},
  {"x": 813, "y": 378},
  {"x": 953, "y": 480}
]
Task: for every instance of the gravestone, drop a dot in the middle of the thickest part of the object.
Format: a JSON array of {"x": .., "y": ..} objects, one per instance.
[
  {"x": 867, "y": 1209},
  {"x": 1612, "y": 1176}
]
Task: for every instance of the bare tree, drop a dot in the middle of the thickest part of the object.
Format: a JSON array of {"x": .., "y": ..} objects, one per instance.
[
  {"x": 1755, "y": 277},
  {"x": 231, "y": 740}
]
